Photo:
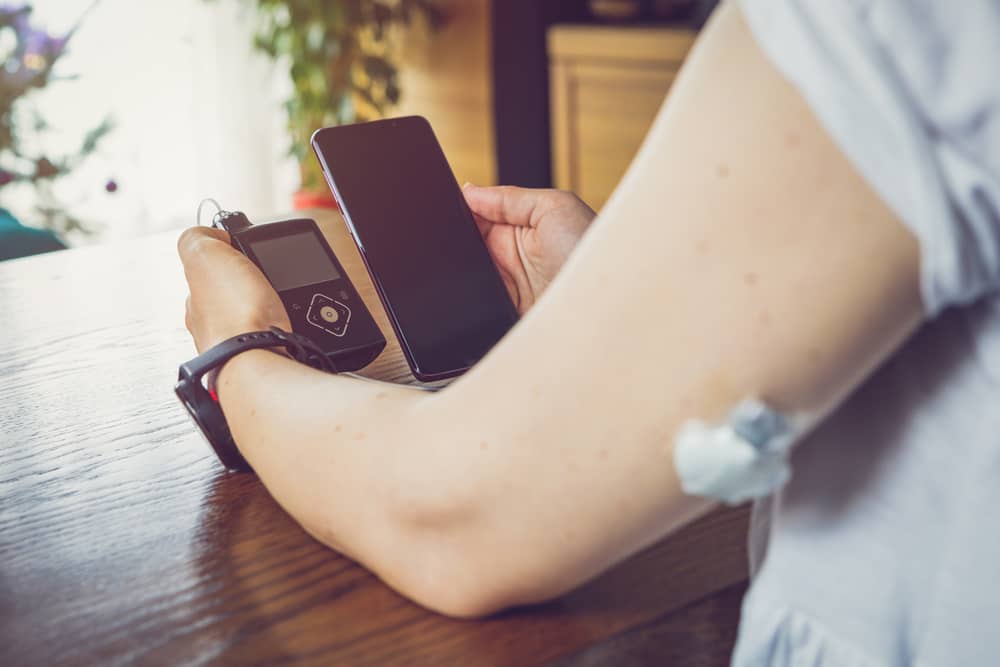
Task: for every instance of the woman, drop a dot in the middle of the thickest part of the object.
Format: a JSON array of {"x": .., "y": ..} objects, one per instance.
[{"x": 821, "y": 185}]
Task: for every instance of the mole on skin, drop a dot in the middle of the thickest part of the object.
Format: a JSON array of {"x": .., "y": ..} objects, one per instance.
[
  {"x": 750, "y": 278},
  {"x": 722, "y": 171}
]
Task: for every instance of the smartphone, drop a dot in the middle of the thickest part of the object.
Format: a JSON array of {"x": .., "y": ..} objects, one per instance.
[{"x": 402, "y": 204}]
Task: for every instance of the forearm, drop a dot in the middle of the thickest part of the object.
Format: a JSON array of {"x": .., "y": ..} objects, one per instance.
[
  {"x": 322, "y": 444},
  {"x": 394, "y": 478},
  {"x": 377, "y": 472}
]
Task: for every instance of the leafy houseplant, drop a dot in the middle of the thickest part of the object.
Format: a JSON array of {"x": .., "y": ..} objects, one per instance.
[
  {"x": 27, "y": 57},
  {"x": 340, "y": 59}
]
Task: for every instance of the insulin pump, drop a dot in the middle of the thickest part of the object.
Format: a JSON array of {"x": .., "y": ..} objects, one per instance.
[
  {"x": 332, "y": 330},
  {"x": 321, "y": 301}
]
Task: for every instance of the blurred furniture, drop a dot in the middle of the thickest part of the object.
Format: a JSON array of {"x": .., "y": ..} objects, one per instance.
[
  {"x": 484, "y": 84},
  {"x": 615, "y": 10},
  {"x": 122, "y": 540},
  {"x": 16, "y": 240},
  {"x": 447, "y": 78},
  {"x": 607, "y": 84}
]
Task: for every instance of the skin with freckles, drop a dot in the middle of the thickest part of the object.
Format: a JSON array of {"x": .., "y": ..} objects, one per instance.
[{"x": 740, "y": 255}]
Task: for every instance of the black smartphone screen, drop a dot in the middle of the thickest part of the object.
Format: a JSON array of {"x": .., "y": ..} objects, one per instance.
[{"x": 419, "y": 240}]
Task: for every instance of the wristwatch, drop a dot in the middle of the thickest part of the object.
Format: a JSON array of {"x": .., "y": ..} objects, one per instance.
[{"x": 201, "y": 401}]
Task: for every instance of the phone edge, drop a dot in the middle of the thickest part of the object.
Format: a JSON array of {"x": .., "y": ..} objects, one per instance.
[{"x": 345, "y": 214}]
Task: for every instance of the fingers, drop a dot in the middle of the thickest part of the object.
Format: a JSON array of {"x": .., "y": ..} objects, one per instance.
[{"x": 505, "y": 204}]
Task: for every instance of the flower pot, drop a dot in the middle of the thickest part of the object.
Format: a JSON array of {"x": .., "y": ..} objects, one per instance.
[{"x": 305, "y": 199}]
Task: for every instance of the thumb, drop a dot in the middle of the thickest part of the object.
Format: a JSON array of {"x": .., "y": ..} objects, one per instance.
[
  {"x": 505, "y": 204},
  {"x": 195, "y": 242}
]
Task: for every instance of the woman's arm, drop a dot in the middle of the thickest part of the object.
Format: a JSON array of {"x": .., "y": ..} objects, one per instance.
[{"x": 741, "y": 255}]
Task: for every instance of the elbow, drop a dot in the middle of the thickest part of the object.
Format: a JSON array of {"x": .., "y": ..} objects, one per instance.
[
  {"x": 442, "y": 569},
  {"x": 459, "y": 600},
  {"x": 475, "y": 571},
  {"x": 459, "y": 559},
  {"x": 451, "y": 544},
  {"x": 464, "y": 586}
]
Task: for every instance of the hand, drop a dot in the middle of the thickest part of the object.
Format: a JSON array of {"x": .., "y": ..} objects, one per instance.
[
  {"x": 529, "y": 233},
  {"x": 229, "y": 294}
]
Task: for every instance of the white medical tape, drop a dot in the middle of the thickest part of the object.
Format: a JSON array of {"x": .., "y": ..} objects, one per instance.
[{"x": 744, "y": 458}]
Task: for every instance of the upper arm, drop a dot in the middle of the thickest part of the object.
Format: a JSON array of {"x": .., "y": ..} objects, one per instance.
[{"x": 741, "y": 255}]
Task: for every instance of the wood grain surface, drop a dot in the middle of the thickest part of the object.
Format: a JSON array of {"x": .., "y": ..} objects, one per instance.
[{"x": 123, "y": 541}]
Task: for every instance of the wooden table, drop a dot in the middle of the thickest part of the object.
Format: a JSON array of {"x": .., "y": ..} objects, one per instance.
[{"x": 122, "y": 540}]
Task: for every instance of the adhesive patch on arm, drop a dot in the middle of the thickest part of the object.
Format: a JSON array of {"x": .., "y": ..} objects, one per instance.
[{"x": 746, "y": 457}]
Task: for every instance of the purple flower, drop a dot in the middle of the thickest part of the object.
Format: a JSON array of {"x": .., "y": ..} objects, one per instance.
[
  {"x": 36, "y": 48},
  {"x": 7, "y": 11},
  {"x": 111, "y": 186},
  {"x": 17, "y": 17},
  {"x": 35, "y": 42}
]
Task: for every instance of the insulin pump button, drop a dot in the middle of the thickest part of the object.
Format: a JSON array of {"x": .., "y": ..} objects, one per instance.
[{"x": 329, "y": 314}]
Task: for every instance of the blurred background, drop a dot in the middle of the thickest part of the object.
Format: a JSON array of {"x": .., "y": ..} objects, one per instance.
[{"x": 117, "y": 117}]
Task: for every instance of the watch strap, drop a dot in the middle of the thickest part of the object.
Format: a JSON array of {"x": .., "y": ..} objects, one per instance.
[
  {"x": 298, "y": 347},
  {"x": 203, "y": 404}
]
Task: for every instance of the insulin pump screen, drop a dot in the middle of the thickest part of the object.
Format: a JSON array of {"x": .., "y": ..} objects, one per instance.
[
  {"x": 294, "y": 261},
  {"x": 420, "y": 240}
]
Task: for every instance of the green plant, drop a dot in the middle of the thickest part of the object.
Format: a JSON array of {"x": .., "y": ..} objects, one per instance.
[
  {"x": 339, "y": 54},
  {"x": 26, "y": 65}
]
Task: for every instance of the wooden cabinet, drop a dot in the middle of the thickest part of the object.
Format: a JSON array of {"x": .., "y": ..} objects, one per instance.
[{"x": 607, "y": 83}]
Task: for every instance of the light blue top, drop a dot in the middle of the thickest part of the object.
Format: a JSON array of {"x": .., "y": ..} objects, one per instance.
[{"x": 884, "y": 548}]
